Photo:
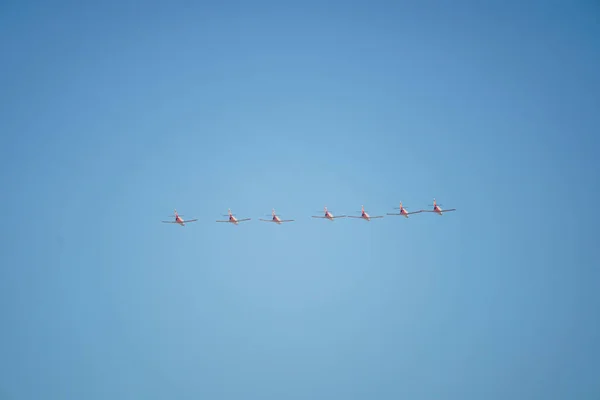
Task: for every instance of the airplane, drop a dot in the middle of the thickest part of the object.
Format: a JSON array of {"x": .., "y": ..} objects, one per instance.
[
  {"x": 364, "y": 215},
  {"x": 403, "y": 211},
  {"x": 276, "y": 219},
  {"x": 178, "y": 219},
  {"x": 437, "y": 209},
  {"x": 329, "y": 216},
  {"x": 234, "y": 220}
]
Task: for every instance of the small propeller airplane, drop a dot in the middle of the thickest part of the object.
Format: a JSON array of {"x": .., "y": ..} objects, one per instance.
[
  {"x": 178, "y": 219},
  {"x": 232, "y": 219},
  {"x": 364, "y": 215},
  {"x": 437, "y": 209},
  {"x": 276, "y": 219},
  {"x": 403, "y": 211},
  {"x": 328, "y": 215}
]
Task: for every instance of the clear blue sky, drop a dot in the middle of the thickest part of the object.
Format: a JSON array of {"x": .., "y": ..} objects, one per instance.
[{"x": 114, "y": 114}]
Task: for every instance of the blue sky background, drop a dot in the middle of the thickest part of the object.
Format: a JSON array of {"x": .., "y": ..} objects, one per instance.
[{"x": 114, "y": 114}]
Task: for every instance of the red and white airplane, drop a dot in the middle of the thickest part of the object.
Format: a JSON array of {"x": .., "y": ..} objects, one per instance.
[
  {"x": 233, "y": 219},
  {"x": 276, "y": 219},
  {"x": 364, "y": 215},
  {"x": 437, "y": 209},
  {"x": 329, "y": 216},
  {"x": 178, "y": 219},
  {"x": 403, "y": 211}
]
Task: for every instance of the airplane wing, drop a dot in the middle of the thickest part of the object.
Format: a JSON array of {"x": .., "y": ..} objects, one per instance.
[
  {"x": 353, "y": 216},
  {"x": 287, "y": 220},
  {"x": 451, "y": 209},
  {"x": 191, "y": 220},
  {"x": 379, "y": 216},
  {"x": 266, "y": 220},
  {"x": 428, "y": 211},
  {"x": 395, "y": 214},
  {"x": 318, "y": 217},
  {"x": 223, "y": 221},
  {"x": 339, "y": 216},
  {"x": 414, "y": 212},
  {"x": 169, "y": 222},
  {"x": 245, "y": 219}
]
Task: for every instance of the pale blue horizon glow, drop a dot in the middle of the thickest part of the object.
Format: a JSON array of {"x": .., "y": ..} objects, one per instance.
[{"x": 115, "y": 114}]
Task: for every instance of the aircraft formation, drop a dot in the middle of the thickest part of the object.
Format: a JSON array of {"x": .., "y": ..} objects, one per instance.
[{"x": 403, "y": 212}]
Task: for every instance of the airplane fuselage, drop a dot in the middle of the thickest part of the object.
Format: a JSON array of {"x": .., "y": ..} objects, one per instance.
[{"x": 366, "y": 216}]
